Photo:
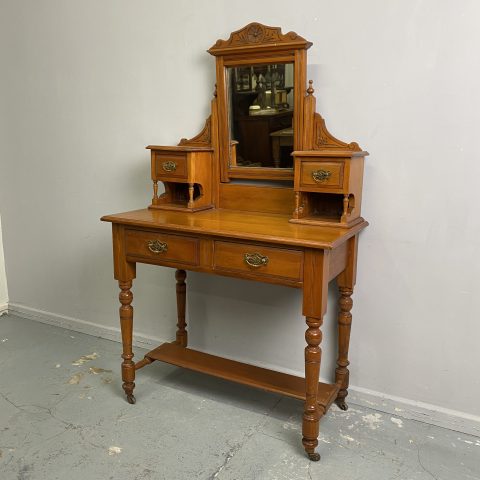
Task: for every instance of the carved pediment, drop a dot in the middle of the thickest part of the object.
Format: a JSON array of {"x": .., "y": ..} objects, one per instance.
[
  {"x": 256, "y": 35},
  {"x": 203, "y": 139},
  {"x": 323, "y": 139}
]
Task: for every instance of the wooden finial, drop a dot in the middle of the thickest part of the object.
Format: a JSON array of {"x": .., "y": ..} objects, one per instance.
[{"x": 310, "y": 89}]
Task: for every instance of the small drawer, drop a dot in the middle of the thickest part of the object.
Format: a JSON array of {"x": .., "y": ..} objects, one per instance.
[
  {"x": 170, "y": 165},
  {"x": 322, "y": 175},
  {"x": 162, "y": 247},
  {"x": 259, "y": 260}
]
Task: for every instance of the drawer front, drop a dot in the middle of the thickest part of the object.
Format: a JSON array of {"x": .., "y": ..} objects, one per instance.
[
  {"x": 322, "y": 175},
  {"x": 259, "y": 260},
  {"x": 162, "y": 247},
  {"x": 170, "y": 166}
]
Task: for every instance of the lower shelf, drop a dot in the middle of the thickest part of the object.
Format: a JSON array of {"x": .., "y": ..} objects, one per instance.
[{"x": 238, "y": 372}]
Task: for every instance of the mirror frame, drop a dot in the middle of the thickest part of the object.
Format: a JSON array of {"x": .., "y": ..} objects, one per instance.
[{"x": 252, "y": 45}]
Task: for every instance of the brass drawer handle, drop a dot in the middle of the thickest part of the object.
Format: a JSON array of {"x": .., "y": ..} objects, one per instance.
[
  {"x": 321, "y": 175},
  {"x": 255, "y": 260},
  {"x": 156, "y": 246},
  {"x": 169, "y": 166}
]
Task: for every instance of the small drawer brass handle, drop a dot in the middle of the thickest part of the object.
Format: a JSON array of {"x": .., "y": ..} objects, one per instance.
[
  {"x": 255, "y": 260},
  {"x": 169, "y": 166},
  {"x": 321, "y": 175},
  {"x": 156, "y": 246}
]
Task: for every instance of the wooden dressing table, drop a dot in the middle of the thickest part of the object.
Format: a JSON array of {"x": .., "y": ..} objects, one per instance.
[{"x": 296, "y": 226}]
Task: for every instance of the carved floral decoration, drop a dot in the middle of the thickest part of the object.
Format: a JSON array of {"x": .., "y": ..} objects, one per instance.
[
  {"x": 204, "y": 138},
  {"x": 257, "y": 34}
]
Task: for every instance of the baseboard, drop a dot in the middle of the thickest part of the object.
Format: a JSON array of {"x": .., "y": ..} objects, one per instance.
[
  {"x": 3, "y": 308},
  {"x": 82, "y": 326},
  {"x": 413, "y": 410},
  {"x": 389, "y": 404}
]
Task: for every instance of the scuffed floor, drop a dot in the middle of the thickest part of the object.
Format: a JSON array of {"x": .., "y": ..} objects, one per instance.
[{"x": 63, "y": 416}]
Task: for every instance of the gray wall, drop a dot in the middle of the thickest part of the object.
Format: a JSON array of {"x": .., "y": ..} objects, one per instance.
[{"x": 86, "y": 85}]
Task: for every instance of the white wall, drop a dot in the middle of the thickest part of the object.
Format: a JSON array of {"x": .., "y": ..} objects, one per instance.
[
  {"x": 3, "y": 277},
  {"x": 86, "y": 85}
]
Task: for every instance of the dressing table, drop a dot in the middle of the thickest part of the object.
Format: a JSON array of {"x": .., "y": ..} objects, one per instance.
[{"x": 290, "y": 217}]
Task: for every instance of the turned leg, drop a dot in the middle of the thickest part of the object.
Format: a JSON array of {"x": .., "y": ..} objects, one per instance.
[
  {"x": 276, "y": 152},
  {"x": 344, "y": 325},
  {"x": 346, "y": 282},
  {"x": 126, "y": 324},
  {"x": 181, "y": 336},
  {"x": 312, "y": 414}
]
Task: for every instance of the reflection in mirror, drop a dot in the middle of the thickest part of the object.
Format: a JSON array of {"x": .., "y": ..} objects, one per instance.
[{"x": 261, "y": 114}]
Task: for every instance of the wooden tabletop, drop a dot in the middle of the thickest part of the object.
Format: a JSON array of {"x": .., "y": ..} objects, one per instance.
[
  {"x": 285, "y": 132},
  {"x": 234, "y": 224}
]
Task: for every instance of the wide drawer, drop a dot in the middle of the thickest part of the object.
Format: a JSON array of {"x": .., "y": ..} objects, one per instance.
[
  {"x": 170, "y": 165},
  {"x": 162, "y": 247},
  {"x": 259, "y": 260},
  {"x": 322, "y": 175}
]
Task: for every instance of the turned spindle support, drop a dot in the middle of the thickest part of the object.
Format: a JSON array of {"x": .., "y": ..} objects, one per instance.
[
  {"x": 190, "y": 195},
  {"x": 155, "y": 192},
  {"x": 346, "y": 201},
  {"x": 126, "y": 325},
  {"x": 296, "y": 213},
  {"x": 181, "y": 288}
]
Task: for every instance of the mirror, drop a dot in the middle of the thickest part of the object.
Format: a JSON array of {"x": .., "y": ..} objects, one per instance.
[{"x": 260, "y": 114}]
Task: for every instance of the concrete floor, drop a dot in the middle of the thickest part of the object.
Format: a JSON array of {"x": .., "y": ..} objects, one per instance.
[{"x": 63, "y": 416}]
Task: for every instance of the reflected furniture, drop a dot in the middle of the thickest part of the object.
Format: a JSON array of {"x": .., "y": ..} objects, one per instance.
[
  {"x": 254, "y": 137},
  {"x": 296, "y": 226},
  {"x": 280, "y": 138},
  {"x": 259, "y": 96}
]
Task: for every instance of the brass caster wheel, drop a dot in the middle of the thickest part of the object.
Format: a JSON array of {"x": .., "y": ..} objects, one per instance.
[
  {"x": 342, "y": 405},
  {"x": 131, "y": 399},
  {"x": 314, "y": 457}
]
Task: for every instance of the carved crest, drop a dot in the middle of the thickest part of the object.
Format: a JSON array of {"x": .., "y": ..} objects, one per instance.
[
  {"x": 203, "y": 139},
  {"x": 323, "y": 139},
  {"x": 258, "y": 35}
]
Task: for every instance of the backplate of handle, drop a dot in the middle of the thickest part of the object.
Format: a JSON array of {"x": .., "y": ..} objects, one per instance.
[
  {"x": 321, "y": 175},
  {"x": 255, "y": 260},
  {"x": 156, "y": 246},
  {"x": 169, "y": 166}
]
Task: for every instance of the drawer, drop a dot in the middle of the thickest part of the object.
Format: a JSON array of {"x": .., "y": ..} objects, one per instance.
[
  {"x": 162, "y": 247},
  {"x": 170, "y": 166},
  {"x": 259, "y": 260},
  {"x": 322, "y": 175}
]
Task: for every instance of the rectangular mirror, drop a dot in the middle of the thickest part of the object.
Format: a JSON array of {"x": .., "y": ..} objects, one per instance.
[{"x": 260, "y": 114}]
